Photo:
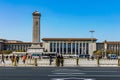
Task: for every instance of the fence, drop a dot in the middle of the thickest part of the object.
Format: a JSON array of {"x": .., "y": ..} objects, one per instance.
[{"x": 67, "y": 62}]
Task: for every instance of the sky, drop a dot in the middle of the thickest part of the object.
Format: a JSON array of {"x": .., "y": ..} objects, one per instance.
[{"x": 61, "y": 19}]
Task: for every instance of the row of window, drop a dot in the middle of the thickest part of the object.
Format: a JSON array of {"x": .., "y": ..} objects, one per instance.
[
  {"x": 69, "y": 48},
  {"x": 109, "y": 47},
  {"x": 17, "y": 47}
]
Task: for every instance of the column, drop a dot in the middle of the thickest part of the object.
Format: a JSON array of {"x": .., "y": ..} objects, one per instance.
[
  {"x": 75, "y": 48},
  {"x": 25, "y": 48},
  {"x": 71, "y": 47},
  {"x": 79, "y": 47},
  {"x": 82, "y": 48},
  {"x": 119, "y": 50},
  {"x": 85, "y": 47},
  {"x": 59, "y": 48},
  {"x": 52, "y": 46},
  {"x": 66, "y": 47},
  {"x": 56, "y": 46},
  {"x": 63, "y": 47}
]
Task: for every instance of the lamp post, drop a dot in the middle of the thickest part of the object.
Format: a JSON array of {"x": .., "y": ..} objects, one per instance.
[{"x": 92, "y": 31}]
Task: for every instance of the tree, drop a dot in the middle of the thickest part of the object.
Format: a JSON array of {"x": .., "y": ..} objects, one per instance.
[
  {"x": 6, "y": 51},
  {"x": 98, "y": 52}
]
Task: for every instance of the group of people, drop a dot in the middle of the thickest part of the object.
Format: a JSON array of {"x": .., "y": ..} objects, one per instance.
[
  {"x": 13, "y": 58},
  {"x": 16, "y": 58},
  {"x": 60, "y": 60}
]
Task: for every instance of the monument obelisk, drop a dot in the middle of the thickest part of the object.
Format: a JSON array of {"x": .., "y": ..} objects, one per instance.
[{"x": 35, "y": 47}]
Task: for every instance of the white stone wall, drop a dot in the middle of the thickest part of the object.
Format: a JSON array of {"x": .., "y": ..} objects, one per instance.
[
  {"x": 92, "y": 47},
  {"x": 46, "y": 46}
]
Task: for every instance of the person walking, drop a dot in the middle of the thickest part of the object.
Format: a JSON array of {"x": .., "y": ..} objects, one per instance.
[
  {"x": 12, "y": 58},
  {"x": 61, "y": 60},
  {"x": 50, "y": 60},
  {"x": 2, "y": 58},
  {"x": 17, "y": 58},
  {"x": 58, "y": 61},
  {"x": 24, "y": 58}
]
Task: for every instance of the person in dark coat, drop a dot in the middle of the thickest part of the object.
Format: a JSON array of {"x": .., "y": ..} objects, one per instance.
[
  {"x": 2, "y": 60},
  {"x": 61, "y": 60},
  {"x": 50, "y": 59},
  {"x": 17, "y": 58},
  {"x": 58, "y": 60}
]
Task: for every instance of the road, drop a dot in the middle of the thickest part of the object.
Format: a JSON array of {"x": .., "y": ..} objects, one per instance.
[{"x": 59, "y": 73}]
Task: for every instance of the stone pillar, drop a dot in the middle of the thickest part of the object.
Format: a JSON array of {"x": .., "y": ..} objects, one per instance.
[
  {"x": 66, "y": 47},
  {"x": 59, "y": 48},
  {"x": 85, "y": 47},
  {"x": 79, "y": 48},
  {"x": 52, "y": 46},
  {"x": 71, "y": 47},
  {"x": 82, "y": 48},
  {"x": 36, "y": 27},
  {"x": 36, "y": 30},
  {"x": 75, "y": 47},
  {"x": 62, "y": 47},
  {"x": 35, "y": 47},
  {"x": 56, "y": 46}
]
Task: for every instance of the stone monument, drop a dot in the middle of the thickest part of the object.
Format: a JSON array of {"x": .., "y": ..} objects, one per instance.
[{"x": 35, "y": 47}]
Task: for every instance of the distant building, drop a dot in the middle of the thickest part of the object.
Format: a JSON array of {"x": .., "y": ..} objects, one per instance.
[
  {"x": 70, "y": 46},
  {"x": 110, "y": 45},
  {"x": 2, "y": 44},
  {"x": 14, "y": 45}
]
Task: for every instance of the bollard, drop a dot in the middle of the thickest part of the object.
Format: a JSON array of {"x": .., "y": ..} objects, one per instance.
[
  {"x": 15, "y": 61},
  {"x": 35, "y": 62},
  {"x": 98, "y": 61},
  {"x": 118, "y": 62},
  {"x": 77, "y": 61}
]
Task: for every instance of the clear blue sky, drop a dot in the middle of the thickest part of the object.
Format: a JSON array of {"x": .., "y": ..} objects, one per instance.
[{"x": 61, "y": 19}]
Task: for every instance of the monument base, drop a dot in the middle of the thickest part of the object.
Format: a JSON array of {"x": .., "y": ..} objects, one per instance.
[{"x": 35, "y": 48}]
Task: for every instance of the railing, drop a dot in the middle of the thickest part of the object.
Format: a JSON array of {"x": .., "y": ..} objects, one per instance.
[{"x": 66, "y": 62}]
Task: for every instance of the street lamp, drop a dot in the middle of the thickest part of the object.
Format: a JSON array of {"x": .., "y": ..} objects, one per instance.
[{"x": 92, "y": 31}]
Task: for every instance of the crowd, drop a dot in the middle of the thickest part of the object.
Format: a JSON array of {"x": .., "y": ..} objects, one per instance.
[{"x": 13, "y": 58}]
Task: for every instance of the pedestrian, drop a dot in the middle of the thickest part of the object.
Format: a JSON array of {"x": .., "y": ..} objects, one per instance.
[
  {"x": 7, "y": 57},
  {"x": 58, "y": 61},
  {"x": 50, "y": 60},
  {"x": 61, "y": 60},
  {"x": 2, "y": 60},
  {"x": 17, "y": 58},
  {"x": 87, "y": 57},
  {"x": 24, "y": 58},
  {"x": 92, "y": 57},
  {"x": 12, "y": 58}
]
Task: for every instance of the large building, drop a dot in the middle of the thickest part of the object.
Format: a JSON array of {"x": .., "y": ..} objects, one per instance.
[{"x": 70, "y": 46}]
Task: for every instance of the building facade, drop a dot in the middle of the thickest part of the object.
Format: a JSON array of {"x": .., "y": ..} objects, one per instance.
[
  {"x": 70, "y": 46},
  {"x": 66, "y": 46},
  {"x": 112, "y": 46}
]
